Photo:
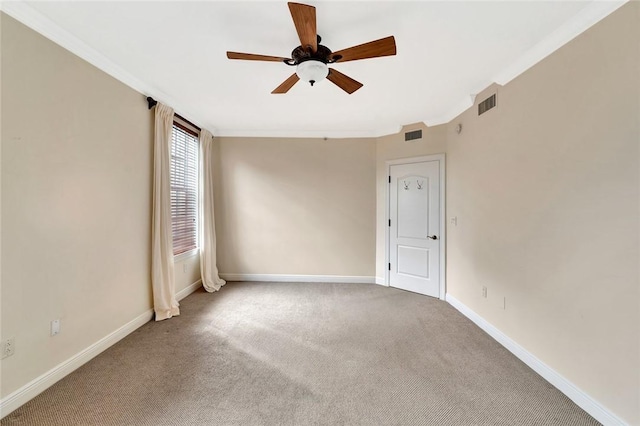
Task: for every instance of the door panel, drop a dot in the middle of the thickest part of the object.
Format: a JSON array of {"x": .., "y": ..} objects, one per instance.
[
  {"x": 414, "y": 214},
  {"x": 412, "y": 203},
  {"x": 413, "y": 261}
]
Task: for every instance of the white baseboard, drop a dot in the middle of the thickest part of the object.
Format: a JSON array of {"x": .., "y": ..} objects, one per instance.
[
  {"x": 380, "y": 281},
  {"x": 39, "y": 384},
  {"x": 188, "y": 290},
  {"x": 582, "y": 399},
  {"x": 299, "y": 278}
]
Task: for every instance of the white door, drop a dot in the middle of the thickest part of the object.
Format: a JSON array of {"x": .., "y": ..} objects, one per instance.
[{"x": 414, "y": 222}]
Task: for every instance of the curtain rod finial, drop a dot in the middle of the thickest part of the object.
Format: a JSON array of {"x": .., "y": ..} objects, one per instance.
[{"x": 152, "y": 102}]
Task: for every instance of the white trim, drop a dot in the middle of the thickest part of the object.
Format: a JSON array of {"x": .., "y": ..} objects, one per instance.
[
  {"x": 187, "y": 254},
  {"x": 441, "y": 160},
  {"x": 577, "y": 395},
  {"x": 287, "y": 278},
  {"x": 582, "y": 21},
  {"x": 191, "y": 288},
  {"x": 443, "y": 227},
  {"x": 38, "y": 22},
  {"x": 330, "y": 134},
  {"x": 381, "y": 281},
  {"x": 41, "y": 383},
  {"x": 457, "y": 109},
  {"x": 590, "y": 15}
]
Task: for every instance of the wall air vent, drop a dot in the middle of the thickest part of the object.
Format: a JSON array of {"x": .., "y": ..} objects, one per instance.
[
  {"x": 487, "y": 104},
  {"x": 410, "y": 136}
]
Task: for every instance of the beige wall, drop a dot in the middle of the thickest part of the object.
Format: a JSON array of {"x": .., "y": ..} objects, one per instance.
[
  {"x": 545, "y": 187},
  {"x": 76, "y": 198},
  {"x": 393, "y": 147},
  {"x": 186, "y": 271},
  {"x": 76, "y": 182},
  {"x": 546, "y": 191},
  {"x": 296, "y": 206}
]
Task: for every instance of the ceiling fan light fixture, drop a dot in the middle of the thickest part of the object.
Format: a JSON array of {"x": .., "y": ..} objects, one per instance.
[{"x": 312, "y": 71}]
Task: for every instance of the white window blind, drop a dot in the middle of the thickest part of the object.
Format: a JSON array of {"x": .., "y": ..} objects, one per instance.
[{"x": 184, "y": 190}]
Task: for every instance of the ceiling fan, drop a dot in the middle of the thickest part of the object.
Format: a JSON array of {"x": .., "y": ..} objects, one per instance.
[{"x": 311, "y": 59}]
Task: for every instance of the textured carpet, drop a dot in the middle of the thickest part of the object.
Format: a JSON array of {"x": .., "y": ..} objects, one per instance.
[{"x": 304, "y": 354}]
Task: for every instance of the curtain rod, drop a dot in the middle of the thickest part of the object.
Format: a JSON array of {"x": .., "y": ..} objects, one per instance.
[{"x": 152, "y": 102}]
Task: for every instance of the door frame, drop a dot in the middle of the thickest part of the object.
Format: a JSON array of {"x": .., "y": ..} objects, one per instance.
[{"x": 440, "y": 158}]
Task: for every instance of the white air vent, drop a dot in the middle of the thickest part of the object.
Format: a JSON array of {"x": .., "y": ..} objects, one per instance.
[
  {"x": 410, "y": 136},
  {"x": 487, "y": 104}
]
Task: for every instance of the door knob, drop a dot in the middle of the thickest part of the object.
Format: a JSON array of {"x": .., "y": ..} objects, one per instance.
[{"x": 433, "y": 237}]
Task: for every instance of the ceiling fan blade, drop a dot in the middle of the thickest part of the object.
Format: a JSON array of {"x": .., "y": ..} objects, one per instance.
[
  {"x": 287, "y": 84},
  {"x": 374, "y": 49},
  {"x": 344, "y": 82},
  {"x": 252, "y": 57},
  {"x": 304, "y": 18}
]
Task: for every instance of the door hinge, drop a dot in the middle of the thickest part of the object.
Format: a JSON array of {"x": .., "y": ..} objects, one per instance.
[
  {"x": 389, "y": 222},
  {"x": 389, "y": 266},
  {"x": 389, "y": 179}
]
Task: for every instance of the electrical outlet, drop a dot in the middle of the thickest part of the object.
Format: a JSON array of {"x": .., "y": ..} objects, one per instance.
[
  {"x": 55, "y": 327},
  {"x": 484, "y": 291},
  {"x": 8, "y": 347}
]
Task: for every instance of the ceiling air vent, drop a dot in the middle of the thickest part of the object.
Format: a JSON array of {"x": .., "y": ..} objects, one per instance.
[
  {"x": 487, "y": 104},
  {"x": 410, "y": 136}
]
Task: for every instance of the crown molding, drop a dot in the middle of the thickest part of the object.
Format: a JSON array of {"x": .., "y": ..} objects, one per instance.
[
  {"x": 457, "y": 109},
  {"x": 587, "y": 17},
  {"x": 596, "y": 11},
  {"x": 22, "y": 12},
  {"x": 314, "y": 134}
]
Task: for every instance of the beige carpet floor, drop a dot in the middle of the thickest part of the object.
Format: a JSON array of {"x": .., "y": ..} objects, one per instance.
[{"x": 305, "y": 354}]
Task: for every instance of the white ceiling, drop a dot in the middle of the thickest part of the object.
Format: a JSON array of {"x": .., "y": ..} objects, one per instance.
[{"x": 176, "y": 52}]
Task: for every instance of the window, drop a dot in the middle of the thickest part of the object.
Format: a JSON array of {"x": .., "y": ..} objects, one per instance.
[{"x": 184, "y": 188}]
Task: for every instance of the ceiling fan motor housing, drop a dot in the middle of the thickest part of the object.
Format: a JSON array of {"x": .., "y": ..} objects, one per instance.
[{"x": 305, "y": 53}]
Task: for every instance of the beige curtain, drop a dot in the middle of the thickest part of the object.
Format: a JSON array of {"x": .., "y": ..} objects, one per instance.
[
  {"x": 165, "y": 304},
  {"x": 208, "y": 268}
]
